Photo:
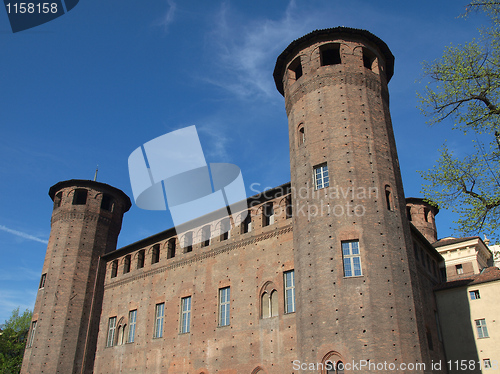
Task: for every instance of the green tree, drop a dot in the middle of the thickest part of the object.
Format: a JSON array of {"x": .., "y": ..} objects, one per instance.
[
  {"x": 464, "y": 88},
  {"x": 13, "y": 340}
]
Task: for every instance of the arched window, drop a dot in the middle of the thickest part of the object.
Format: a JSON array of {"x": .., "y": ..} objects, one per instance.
[
  {"x": 301, "y": 135},
  {"x": 57, "y": 200},
  {"x": 114, "y": 268},
  {"x": 369, "y": 60},
  {"x": 140, "y": 258},
  {"x": 171, "y": 248},
  {"x": 295, "y": 69},
  {"x": 246, "y": 224},
  {"x": 388, "y": 197},
  {"x": 126, "y": 264},
  {"x": 332, "y": 363},
  {"x": 205, "y": 236},
  {"x": 80, "y": 197},
  {"x": 188, "y": 242},
  {"x": 155, "y": 254},
  {"x": 107, "y": 202},
  {"x": 225, "y": 229},
  {"x": 269, "y": 301}
]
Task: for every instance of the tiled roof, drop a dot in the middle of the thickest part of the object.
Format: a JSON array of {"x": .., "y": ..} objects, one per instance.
[{"x": 486, "y": 275}]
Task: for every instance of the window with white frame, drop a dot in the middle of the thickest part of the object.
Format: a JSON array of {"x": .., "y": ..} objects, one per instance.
[
  {"x": 482, "y": 331},
  {"x": 111, "y": 332},
  {"x": 132, "y": 319},
  {"x": 224, "y": 305},
  {"x": 321, "y": 179},
  {"x": 42, "y": 280},
  {"x": 459, "y": 268},
  {"x": 289, "y": 280},
  {"x": 351, "y": 258},
  {"x": 474, "y": 295},
  {"x": 159, "y": 314},
  {"x": 185, "y": 314},
  {"x": 31, "y": 336}
]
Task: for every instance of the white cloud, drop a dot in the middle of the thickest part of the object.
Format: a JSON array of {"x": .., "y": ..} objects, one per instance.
[
  {"x": 168, "y": 17},
  {"x": 23, "y": 235}
]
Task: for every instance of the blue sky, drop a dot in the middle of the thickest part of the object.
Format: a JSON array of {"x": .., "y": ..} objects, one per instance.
[{"x": 91, "y": 86}]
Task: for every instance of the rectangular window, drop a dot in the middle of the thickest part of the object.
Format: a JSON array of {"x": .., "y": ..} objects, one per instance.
[
  {"x": 159, "y": 313},
  {"x": 111, "y": 332},
  {"x": 126, "y": 264},
  {"x": 224, "y": 303},
  {"x": 352, "y": 258},
  {"x": 321, "y": 179},
  {"x": 31, "y": 336},
  {"x": 474, "y": 295},
  {"x": 140, "y": 258},
  {"x": 486, "y": 363},
  {"x": 185, "y": 314},
  {"x": 289, "y": 278},
  {"x": 132, "y": 319},
  {"x": 482, "y": 331},
  {"x": 459, "y": 268},
  {"x": 155, "y": 254},
  {"x": 42, "y": 280},
  {"x": 114, "y": 268}
]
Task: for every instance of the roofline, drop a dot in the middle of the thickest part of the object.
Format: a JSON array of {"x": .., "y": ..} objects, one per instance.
[
  {"x": 260, "y": 197},
  {"x": 90, "y": 184},
  {"x": 294, "y": 46},
  {"x": 424, "y": 239},
  {"x": 419, "y": 200}
]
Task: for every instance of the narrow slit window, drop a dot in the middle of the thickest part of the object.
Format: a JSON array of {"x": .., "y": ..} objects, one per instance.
[
  {"x": 301, "y": 135},
  {"x": 171, "y": 248},
  {"x": 225, "y": 228},
  {"x": 289, "y": 207},
  {"x": 57, "y": 200},
  {"x": 330, "y": 54},
  {"x": 42, "y": 280},
  {"x": 268, "y": 214},
  {"x": 155, "y": 255},
  {"x": 140, "y": 258},
  {"x": 126, "y": 264},
  {"x": 114, "y": 269},
  {"x": 246, "y": 225},
  {"x": 205, "y": 236},
  {"x": 388, "y": 197},
  {"x": 31, "y": 336},
  {"x": 408, "y": 213}
]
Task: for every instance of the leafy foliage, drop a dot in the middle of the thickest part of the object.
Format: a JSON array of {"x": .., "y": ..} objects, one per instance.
[
  {"x": 13, "y": 340},
  {"x": 464, "y": 87}
]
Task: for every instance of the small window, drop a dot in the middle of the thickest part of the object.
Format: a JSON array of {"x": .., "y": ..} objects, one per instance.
[
  {"x": 80, "y": 197},
  {"x": 107, "y": 203},
  {"x": 140, "y": 258},
  {"x": 474, "y": 295},
  {"x": 486, "y": 363},
  {"x": 224, "y": 303},
  {"x": 268, "y": 214},
  {"x": 111, "y": 332},
  {"x": 430, "y": 344},
  {"x": 31, "y": 336},
  {"x": 269, "y": 304},
  {"x": 295, "y": 69},
  {"x": 330, "y": 54},
  {"x": 301, "y": 135},
  {"x": 352, "y": 258},
  {"x": 126, "y": 264},
  {"x": 42, "y": 280},
  {"x": 57, "y": 200},
  {"x": 321, "y": 178},
  {"x": 369, "y": 59},
  {"x": 459, "y": 268},
  {"x": 408, "y": 213},
  {"x": 114, "y": 269},
  {"x": 289, "y": 207},
  {"x": 159, "y": 314},
  {"x": 205, "y": 236},
  {"x": 289, "y": 281},
  {"x": 225, "y": 228},
  {"x": 132, "y": 320},
  {"x": 171, "y": 248},
  {"x": 246, "y": 225},
  {"x": 185, "y": 314},
  {"x": 426, "y": 214},
  {"x": 155, "y": 254},
  {"x": 482, "y": 331},
  {"x": 188, "y": 242},
  {"x": 388, "y": 197}
]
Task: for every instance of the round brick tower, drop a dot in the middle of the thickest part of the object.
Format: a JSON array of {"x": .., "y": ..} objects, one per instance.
[
  {"x": 86, "y": 221},
  {"x": 355, "y": 283}
]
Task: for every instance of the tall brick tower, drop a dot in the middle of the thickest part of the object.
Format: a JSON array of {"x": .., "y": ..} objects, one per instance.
[
  {"x": 356, "y": 287},
  {"x": 86, "y": 221}
]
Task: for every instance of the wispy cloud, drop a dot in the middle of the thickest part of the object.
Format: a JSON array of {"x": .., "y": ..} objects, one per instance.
[
  {"x": 245, "y": 52},
  {"x": 168, "y": 17},
  {"x": 10, "y": 300},
  {"x": 23, "y": 235}
]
